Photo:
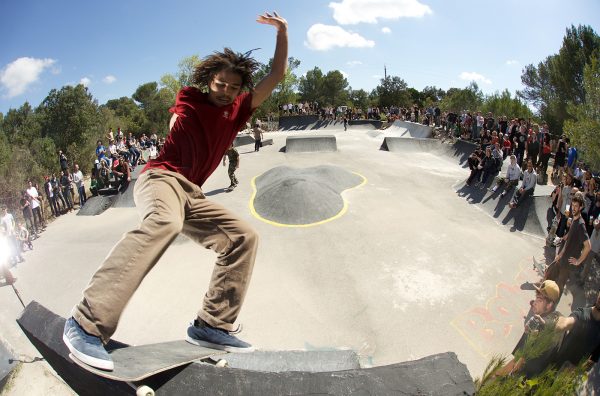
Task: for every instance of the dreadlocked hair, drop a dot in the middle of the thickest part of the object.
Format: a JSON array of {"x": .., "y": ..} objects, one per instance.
[{"x": 228, "y": 60}]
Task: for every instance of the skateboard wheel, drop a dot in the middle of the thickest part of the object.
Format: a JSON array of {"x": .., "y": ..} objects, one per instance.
[
  {"x": 144, "y": 390},
  {"x": 222, "y": 363}
]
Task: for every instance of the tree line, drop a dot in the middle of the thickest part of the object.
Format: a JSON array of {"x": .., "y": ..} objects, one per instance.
[{"x": 564, "y": 88}]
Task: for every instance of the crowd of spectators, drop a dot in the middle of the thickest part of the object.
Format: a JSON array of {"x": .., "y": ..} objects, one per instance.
[{"x": 114, "y": 163}]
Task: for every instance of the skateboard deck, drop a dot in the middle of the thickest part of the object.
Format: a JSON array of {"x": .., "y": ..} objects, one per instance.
[
  {"x": 539, "y": 267},
  {"x": 135, "y": 363}
]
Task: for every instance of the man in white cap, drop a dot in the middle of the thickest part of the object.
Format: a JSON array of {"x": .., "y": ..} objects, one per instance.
[{"x": 543, "y": 314}]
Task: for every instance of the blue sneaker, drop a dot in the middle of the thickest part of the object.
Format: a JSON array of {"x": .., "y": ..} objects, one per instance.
[
  {"x": 86, "y": 347},
  {"x": 201, "y": 334}
]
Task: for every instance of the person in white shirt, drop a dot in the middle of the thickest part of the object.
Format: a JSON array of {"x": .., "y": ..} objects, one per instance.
[
  {"x": 79, "y": 183},
  {"x": 36, "y": 208},
  {"x": 511, "y": 180},
  {"x": 9, "y": 226},
  {"x": 527, "y": 187}
]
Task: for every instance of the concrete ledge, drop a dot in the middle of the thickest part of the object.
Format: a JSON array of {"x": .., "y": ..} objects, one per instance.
[
  {"x": 310, "y": 144},
  {"x": 440, "y": 374}
]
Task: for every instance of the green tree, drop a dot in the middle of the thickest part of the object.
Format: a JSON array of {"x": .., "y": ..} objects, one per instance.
[
  {"x": 126, "y": 114},
  {"x": 504, "y": 104},
  {"x": 334, "y": 88},
  {"x": 359, "y": 99},
  {"x": 558, "y": 79},
  {"x": 284, "y": 92},
  {"x": 72, "y": 119},
  {"x": 584, "y": 128},
  {"x": 392, "y": 91},
  {"x": 457, "y": 99},
  {"x": 155, "y": 104},
  {"x": 310, "y": 86},
  {"x": 183, "y": 77},
  {"x": 21, "y": 126}
]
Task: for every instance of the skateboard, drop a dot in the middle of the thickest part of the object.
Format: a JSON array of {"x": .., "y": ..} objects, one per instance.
[
  {"x": 134, "y": 364},
  {"x": 539, "y": 267}
]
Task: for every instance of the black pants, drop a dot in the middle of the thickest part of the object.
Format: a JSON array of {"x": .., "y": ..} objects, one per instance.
[{"x": 257, "y": 144}]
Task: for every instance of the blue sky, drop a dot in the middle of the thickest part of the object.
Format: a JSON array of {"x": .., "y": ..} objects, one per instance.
[{"x": 115, "y": 46}]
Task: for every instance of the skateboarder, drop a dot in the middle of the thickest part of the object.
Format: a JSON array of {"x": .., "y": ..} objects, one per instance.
[
  {"x": 169, "y": 196},
  {"x": 234, "y": 163}
]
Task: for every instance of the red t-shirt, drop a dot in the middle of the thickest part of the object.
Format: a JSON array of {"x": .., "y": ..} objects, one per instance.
[{"x": 201, "y": 134}]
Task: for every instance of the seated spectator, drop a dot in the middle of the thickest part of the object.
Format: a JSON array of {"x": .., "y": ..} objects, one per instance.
[
  {"x": 104, "y": 175},
  {"x": 488, "y": 164},
  {"x": 578, "y": 175},
  {"x": 511, "y": 180},
  {"x": 24, "y": 237},
  {"x": 121, "y": 173},
  {"x": 582, "y": 338},
  {"x": 94, "y": 185},
  {"x": 497, "y": 155},
  {"x": 475, "y": 166},
  {"x": 527, "y": 187},
  {"x": 528, "y": 360},
  {"x": 486, "y": 139}
]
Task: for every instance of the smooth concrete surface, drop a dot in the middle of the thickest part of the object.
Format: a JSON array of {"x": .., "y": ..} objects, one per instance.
[
  {"x": 410, "y": 129},
  {"x": 410, "y": 270}
]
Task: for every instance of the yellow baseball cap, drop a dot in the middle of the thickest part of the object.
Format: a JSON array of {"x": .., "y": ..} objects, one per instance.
[{"x": 550, "y": 290}]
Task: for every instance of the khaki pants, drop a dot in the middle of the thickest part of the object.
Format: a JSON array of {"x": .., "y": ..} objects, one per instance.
[{"x": 170, "y": 204}]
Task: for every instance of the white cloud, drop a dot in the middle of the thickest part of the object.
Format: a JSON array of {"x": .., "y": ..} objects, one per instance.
[
  {"x": 17, "y": 76},
  {"x": 354, "y": 63},
  {"x": 85, "y": 81},
  {"x": 325, "y": 37},
  {"x": 512, "y": 62},
  {"x": 350, "y": 12},
  {"x": 386, "y": 30},
  {"x": 109, "y": 79},
  {"x": 377, "y": 76},
  {"x": 472, "y": 76},
  {"x": 346, "y": 75}
]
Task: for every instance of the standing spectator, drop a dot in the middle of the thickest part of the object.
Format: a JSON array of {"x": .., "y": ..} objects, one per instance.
[
  {"x": 51, "y": 198},
  {"x": 80, "y": 185},
  {"x": 258, "y": 136},
  {"x": 65, "y": 183},
  {"x": 520, "y": 143},
  {"x": 583, "y": 338},
  {"x": 10, "y": 228},
  {"x": 575, "y": 248},
  {"x": 571, "y": 155},
  {"x": 234, "y": 163},
  {"x": 62, "y": 159},
  {"x": 560, "y": 158},
  {"x": 545, "y": 157},
  {"x": 25, "y": 203},
  {"x": 36, "y": 206},
  {"x": 533, "y": 148},
  {"x": 527, "y": 187},
  {"x": 479, "y": 125},
  {"x": 57, "y": 191}
]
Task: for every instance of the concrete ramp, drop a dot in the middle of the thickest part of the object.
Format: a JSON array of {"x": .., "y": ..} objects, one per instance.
[
  {"x": 440, "y": 374},
  {"x": 409, "y": 129},
  {"x": 459, "y": 150},
  {"x": 310, "y": 144},
  {"x": 532, "y": 216}
]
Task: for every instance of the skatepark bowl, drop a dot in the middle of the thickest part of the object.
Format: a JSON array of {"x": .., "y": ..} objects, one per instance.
[{"x": 376, "y": 247}]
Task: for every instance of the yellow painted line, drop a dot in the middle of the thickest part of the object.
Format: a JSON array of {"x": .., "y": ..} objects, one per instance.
[{"x": 274, "y": 223}]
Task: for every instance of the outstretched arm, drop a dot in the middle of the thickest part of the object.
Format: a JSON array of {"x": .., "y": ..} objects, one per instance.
[{"x": 264, "y": 88}]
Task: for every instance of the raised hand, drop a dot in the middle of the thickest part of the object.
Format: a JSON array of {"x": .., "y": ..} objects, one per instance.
[{"x": 272, "y": 19}]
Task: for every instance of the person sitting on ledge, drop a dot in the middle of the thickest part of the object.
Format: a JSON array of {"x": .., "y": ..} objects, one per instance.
[
  {"x": 527, "y": 187},
  {"x": 511, "y": 180}
]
